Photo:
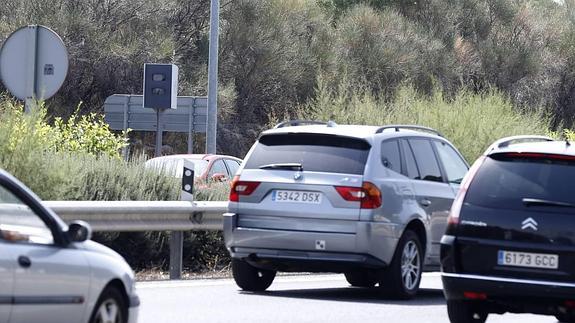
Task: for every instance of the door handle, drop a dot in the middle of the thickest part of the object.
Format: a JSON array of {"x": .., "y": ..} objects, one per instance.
[
  {"x": 425, "y": 202},
  {"x": 24, "y": 262}
]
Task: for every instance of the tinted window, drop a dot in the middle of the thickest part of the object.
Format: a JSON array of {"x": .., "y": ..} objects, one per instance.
[
  {"x": 425, "y": 159},
  {"x": 390, "y": 155},
  {"x": 18, "y": 223},
  {"x": 315, "y": 152},
  {"x": 232, "y": 166},
  {"x": 503, "y": 183},
  {"x": 411, "y": 168},
  {"x": 218, "y": 167},
  {"x": 455, "y": 167}
]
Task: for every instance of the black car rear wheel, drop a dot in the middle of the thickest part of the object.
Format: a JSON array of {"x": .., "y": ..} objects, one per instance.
[
  {"x": 565, "y": 318},
  {"x": 401, "y": 279},
  {"x": 460, "y": 311},
  {"x": 250, "y": 278},
  {"x": 361, "y": 278}
]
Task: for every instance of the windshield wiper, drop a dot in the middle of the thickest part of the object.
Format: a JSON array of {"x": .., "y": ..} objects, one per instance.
[
  {"x": 541, "y": 202},
  {"x": 286, "y": 166}
]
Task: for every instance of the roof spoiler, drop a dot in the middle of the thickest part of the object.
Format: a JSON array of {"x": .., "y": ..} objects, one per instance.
[
  {"x": 507, "y": 141},
  {"x": 295, "y": 123}
]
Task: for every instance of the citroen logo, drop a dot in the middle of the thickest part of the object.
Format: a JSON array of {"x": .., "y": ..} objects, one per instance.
[
  {"x": 529, "y": 223},
  {"x": 297, "y": 176}
]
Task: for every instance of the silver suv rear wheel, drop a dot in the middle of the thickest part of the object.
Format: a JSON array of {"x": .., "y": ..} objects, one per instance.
[{"x": 402, "y": 277}]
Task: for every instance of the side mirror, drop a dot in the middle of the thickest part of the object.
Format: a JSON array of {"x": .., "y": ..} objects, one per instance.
[
  {"x": 219, "y": 177},
  {"x": 79, "y": 231}
]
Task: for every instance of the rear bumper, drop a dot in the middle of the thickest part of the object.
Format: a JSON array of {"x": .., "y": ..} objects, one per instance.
[
  {"x": 134, "y": 308},
  {"x": 368, "y": 244},
  {"x": 503, "y": 294},
  {"x": 500, "y": 287}
]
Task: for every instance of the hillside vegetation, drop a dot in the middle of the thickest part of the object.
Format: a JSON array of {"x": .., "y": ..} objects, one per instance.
[{"x": 273, "y": 52}]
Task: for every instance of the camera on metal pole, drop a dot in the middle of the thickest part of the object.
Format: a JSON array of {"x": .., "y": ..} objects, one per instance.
[{"x": 160, "y": 93}]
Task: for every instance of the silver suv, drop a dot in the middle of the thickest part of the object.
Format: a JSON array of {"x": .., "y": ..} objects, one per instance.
[{"x": 370, "y": 202}]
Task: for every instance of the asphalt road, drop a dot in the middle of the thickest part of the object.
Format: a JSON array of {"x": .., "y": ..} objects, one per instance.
[{"x": 308, "y": 298}]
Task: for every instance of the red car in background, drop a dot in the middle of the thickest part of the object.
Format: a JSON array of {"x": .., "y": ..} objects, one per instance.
[{"x": 206, "y": 166}]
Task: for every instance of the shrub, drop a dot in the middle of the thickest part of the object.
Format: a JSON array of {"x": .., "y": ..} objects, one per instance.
[{"x": 470, "y": 121}]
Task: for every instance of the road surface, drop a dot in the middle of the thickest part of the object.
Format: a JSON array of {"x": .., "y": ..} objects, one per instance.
[{"x": 305, "y": 298}]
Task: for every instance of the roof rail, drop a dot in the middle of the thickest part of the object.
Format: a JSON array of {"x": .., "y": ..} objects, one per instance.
[
  {"x": 294, "y": 123},
  {"x": 409, "y": 127},
  {"x": 507, "y": 141}
]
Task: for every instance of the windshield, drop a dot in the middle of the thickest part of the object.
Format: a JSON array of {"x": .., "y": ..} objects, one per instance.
[
  {"x": 517, "y": 182},
  {"x": 175, "y": 166}
]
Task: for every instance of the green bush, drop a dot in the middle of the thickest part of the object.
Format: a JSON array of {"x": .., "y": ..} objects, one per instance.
[
  {"x": 470, "y": 121},
  {"x": 64, "y": 162}
]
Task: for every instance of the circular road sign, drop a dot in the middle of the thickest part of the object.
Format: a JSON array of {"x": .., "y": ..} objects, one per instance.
[{"x": 33, "y": 62}]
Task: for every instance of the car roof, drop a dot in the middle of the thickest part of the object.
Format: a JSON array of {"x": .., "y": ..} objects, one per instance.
[
  {"x": 354, "y": 131},
  {"x": 206, "y": 157}
]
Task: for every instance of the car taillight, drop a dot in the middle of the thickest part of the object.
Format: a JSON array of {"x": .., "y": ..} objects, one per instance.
[
  {"x": 453, "y": 219},
  {"x": 368, "y": 195},
  {"x": 241, "y": 188}
]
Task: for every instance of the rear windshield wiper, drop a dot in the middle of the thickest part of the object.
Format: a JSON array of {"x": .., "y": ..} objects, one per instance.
[
  {"x": 541, "y": 202},
  {"x": 286, "y": 166}
]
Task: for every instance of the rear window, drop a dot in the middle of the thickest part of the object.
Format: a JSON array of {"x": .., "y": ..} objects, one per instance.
[
  {"x": 503, "y": 182},
  {"x": 315, "y": 152}
]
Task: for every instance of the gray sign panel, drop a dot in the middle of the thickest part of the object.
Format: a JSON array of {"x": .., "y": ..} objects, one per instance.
[{"x": 123, "y": 111}]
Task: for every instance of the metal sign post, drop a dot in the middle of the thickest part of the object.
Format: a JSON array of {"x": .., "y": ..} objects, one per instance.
[
  {"x": 213, "y": 78},
  {"x": 159, "y": 132}
]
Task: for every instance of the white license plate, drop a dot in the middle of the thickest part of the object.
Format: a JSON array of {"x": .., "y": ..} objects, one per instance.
[
  {"x": 526, "y": 259},
  {"x": 296, "y": 197}
]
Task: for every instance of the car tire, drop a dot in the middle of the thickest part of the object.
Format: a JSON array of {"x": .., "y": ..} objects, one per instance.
[
  {"x": 111, "y": 307},
  {"x": 461, "y": 311},
  {"x": 401, "y": 278},
  {"x": 250, "y": 278},
  {"x": 565, "y": 318},
  {"x": 361, "y": 278}
]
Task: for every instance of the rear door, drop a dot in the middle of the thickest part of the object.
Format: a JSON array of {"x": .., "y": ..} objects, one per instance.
[
  {"x": 299, "y": 175},
  {"x": 433, "y": 193},
  {"x": 518, "y": 218}
]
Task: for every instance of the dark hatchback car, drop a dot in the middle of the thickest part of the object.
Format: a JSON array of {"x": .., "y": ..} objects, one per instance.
[{"x": 510, "y": 240}]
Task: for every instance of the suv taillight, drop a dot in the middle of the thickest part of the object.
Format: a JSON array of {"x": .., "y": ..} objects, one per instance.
[
  {"x": 368, "y": 195},
  {"x": 241, "y": 188},
  {"x": 453, "y": 219}
]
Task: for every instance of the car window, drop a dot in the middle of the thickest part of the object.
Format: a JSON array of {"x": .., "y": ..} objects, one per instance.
[
  {"x": 505, "y": 182},
  {"x": 233, "y": 166},
  {"x": 218, "y": 167},
  {"x": 425, "y": 159},
  {"x": 410, "y": 165},
  {"x": 18, "y": 223},
  {"x": 455, "y": 167},
  {"x": 314, "y": 152},
  {"x": 390, "y": 155}
]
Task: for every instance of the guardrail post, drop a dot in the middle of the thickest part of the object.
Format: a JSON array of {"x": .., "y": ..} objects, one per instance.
[{"x": 177, "y": 237}]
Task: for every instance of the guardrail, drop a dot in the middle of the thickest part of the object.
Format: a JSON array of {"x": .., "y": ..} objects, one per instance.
[
  {"x": 143, "y": 215},
  {"x": 175, "y": 216}
]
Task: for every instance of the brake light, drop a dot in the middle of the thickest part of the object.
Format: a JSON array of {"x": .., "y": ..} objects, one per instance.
[
  {"x": 539, "y": 156},
  {"x": 474, "y": 295},
  {"x": 368, "y": 195},
  {"x": 453, "y": 219},
  {"x": 241, "y": 188}
]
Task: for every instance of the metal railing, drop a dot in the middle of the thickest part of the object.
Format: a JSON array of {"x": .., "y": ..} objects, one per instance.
[
  {"x": 143, "y": 215},
  {"x": 174, "y": 216}
]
